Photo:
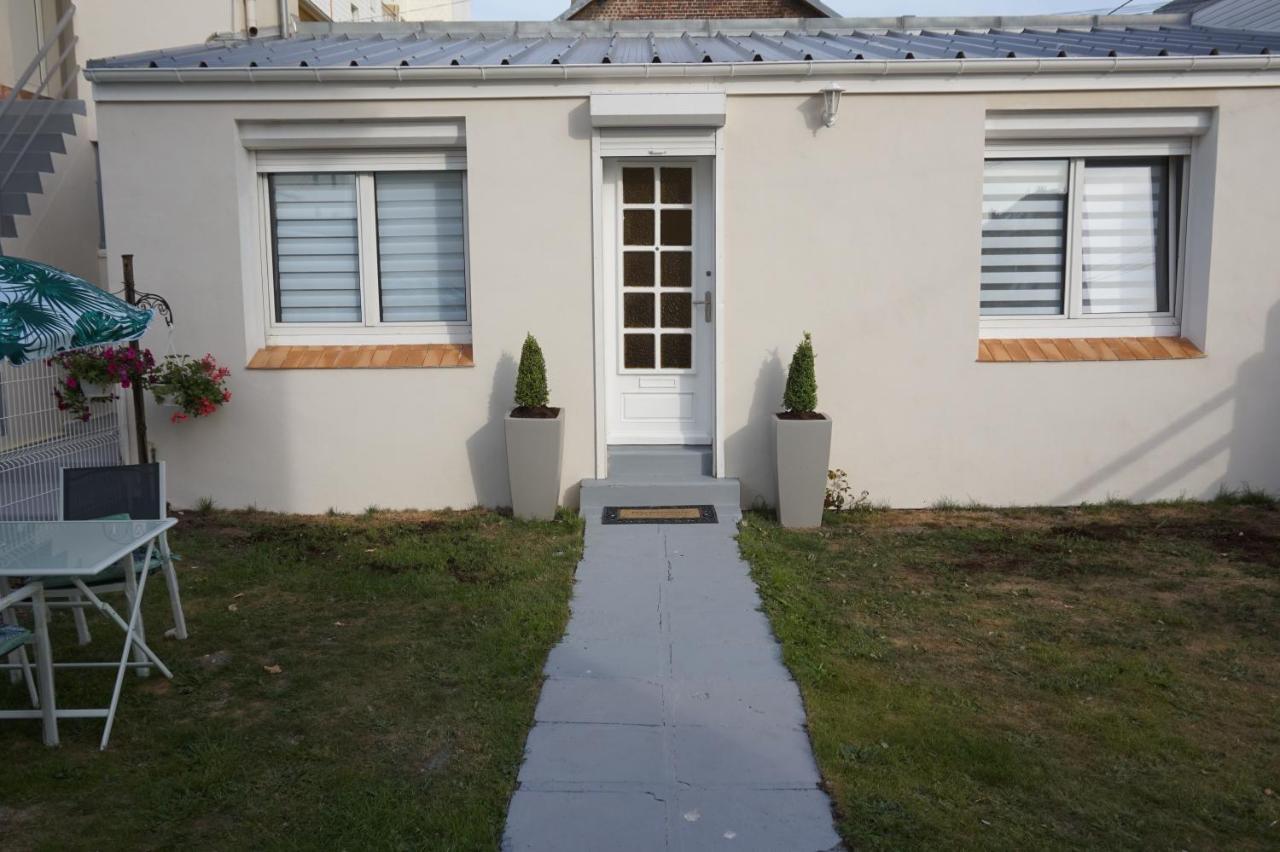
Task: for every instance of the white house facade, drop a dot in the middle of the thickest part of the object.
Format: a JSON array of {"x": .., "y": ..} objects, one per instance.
[{"x": 1038, "y": 259}]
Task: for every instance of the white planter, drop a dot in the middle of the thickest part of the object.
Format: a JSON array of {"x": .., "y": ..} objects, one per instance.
[
  {"x": 535, "y": 449},
  {"x": 804, "y": 451},
  {"x": 93, "y": 390}
]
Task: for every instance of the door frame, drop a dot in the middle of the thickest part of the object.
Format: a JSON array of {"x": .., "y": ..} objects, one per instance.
[
  {"x": 649, "y": 143},
  {"x": 703, "y": 348}
]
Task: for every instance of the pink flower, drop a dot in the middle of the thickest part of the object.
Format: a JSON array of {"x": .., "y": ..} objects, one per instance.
[{"x": 178, "y": 417}]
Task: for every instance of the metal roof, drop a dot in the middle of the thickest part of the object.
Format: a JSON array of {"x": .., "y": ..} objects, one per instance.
[
  {"x": 648, "y": 42},
  {"x": 1240, "y": 14}
]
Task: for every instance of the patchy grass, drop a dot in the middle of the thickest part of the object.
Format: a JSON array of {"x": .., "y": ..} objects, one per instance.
[
  {"x": 1101, "y": 677},
  {"x": 409, "y": 649}
]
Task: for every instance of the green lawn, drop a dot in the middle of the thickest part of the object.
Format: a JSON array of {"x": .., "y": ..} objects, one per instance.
[
  {"x": 1102, "y": 678},
  {"x": 409, "y": 650}
]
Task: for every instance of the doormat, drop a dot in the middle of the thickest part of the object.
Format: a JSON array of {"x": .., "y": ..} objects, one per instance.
[{"x": 659, "y": 515}]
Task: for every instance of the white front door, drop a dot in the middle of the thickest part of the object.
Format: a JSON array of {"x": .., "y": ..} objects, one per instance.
[{"x": 659, "y": 300}]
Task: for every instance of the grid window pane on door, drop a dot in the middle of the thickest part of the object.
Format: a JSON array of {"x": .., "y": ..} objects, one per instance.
[
  {"x": 1125, "y": 237},
  {"x": 657, "y": 267},
  {"x": 315, "y": 235},
  {"x": 421, "y": 247},
  {"x": 1024, "y": 237}
]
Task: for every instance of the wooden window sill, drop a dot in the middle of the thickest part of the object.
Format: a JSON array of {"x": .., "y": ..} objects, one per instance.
[
  {"x": 362, "y": 357},
  {"x": 1030, "y": 349}
]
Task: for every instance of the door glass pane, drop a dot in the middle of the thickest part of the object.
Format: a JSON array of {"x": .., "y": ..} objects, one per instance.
[
  {"x": 677, "y": 186},
  {"x": 638, "y": 351},
  {"x": 1126, "y": 227},
  {"x": 421, "y": 248},
  {"x": 677, "y": 269},
  {"x": 1024, "y": 221},
  {"x": 317, "y": 256},
  {"x": 637, "y": 310},
  {"x": 677, "y": 227},
  {"x": 637, "y": 186},
  {"x": 677, "y": 310},
  {"x": 637, "y": 227},
  {"x": 637, "y": 269},
  {"x": 677, "y": 351}
]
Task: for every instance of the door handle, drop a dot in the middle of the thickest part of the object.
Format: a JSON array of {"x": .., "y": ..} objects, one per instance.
[{"x": 708, "y": 306}]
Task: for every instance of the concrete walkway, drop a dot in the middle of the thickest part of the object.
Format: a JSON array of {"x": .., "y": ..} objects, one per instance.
[{"x": 668, "y": 720}]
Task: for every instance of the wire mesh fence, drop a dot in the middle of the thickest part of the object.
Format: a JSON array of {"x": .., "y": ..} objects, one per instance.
[{"x": 37, "y": 441}]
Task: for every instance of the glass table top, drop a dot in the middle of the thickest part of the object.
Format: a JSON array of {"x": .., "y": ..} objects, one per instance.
[{"x": 71, "y": 548}]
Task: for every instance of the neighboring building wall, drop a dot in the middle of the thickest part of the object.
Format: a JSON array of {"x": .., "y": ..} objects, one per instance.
[
  {"x": 614, "y": 10},
  {"x": 866, "y": 234},
  {"x": 346, "y": 11}
]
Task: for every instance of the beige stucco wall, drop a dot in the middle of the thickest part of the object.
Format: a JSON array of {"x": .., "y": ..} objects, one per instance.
[
  {"x": 866, "y": 234},
  {"x": 309, "y": 440}
]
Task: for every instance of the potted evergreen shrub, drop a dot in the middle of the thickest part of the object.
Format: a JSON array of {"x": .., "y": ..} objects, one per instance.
[
  {"x": 804, "y": 444},
  {"x": 535, "y": 440}
]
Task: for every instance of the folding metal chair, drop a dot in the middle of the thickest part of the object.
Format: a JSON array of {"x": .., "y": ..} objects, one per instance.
[{"x": 98, "y": 493}]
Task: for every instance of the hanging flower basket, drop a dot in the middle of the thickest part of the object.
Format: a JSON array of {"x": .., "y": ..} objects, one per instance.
[
  {"x": 196, "y": 388},
  {"x": 95, "y": 374}
]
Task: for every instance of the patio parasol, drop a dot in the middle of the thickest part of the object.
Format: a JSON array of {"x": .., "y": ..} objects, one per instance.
[{"x": 44, "y": 311}]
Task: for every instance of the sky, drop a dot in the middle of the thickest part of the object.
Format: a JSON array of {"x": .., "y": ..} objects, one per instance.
[{"x": 534, "y": 10}]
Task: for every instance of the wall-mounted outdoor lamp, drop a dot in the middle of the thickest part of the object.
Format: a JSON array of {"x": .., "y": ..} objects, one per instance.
[{"x": 831, "y": 103}]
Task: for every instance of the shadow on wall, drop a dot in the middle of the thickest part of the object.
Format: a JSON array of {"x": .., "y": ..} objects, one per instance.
[
  {"x": 1252, "y": 443},
  {"x": 753, "y": 443},
  {"x": 487, "y": 447}
]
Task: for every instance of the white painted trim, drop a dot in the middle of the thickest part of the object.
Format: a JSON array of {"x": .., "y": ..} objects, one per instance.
[
  {"x": 1094, "y": 125},
  {"x": 598, "y": 306},
  {"x": 262, "y": 328},
  {"x": 447, "y": 159},
  {"x": 327, "y": 134},
  {"x": 650, "y": 109},
  {"x": 760, "y": 78},
  {"x": 657, "y": 142},
  {"x": 718, "y": 213},
  {"x": 1017, "y": 149},
  {"x": 1074, "y": 322}
]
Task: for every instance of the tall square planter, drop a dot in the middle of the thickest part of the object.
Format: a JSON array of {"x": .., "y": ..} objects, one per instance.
[
  {"x": 535, "y": 449},
  {"x": 804, "y": 450}
]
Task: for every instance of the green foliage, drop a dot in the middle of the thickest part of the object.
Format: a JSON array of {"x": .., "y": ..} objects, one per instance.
[
  {"x": 531, "y": 377},
  {"x": 801, "y": 395}
]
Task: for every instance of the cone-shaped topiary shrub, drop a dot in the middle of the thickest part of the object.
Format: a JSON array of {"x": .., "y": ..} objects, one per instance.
[
  {"x": 801, "y": 395},
  {"x": 531, "y": 377}
]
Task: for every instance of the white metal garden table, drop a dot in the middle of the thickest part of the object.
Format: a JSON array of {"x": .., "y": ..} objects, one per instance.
[{"x": 79, "y": 551}]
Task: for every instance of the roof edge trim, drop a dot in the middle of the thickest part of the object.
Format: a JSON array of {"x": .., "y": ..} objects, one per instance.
[{"x": 696, "y": 72}]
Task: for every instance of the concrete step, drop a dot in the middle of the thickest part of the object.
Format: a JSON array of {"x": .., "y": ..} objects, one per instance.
[
  {"x": 694, "y": 491},
  {"x": 63, "y": 122},
  {"x": 14, "y": 203},
  {"x": 658, "y": 463},
  {"x": 24, "y": 182},
  {"x": 42, "y": 141},
  {"x": 32, "y": 161}
]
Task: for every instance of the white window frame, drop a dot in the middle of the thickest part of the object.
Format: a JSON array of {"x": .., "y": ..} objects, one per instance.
[
  {"x": 365, "y": 165},
  {"x": 1074, "y": 322}
]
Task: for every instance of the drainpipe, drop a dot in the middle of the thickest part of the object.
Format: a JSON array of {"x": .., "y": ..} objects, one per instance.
[
  {"x": 251, "y": 17},
  {"x": 285, "y": 23}
]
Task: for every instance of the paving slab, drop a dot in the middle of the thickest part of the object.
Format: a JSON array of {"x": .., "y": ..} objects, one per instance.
[
  {"x": 556, "y": 822},
  {"x": 667, "y": 720}
]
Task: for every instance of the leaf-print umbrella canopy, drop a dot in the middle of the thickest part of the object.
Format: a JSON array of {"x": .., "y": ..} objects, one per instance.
[{"x": 44, "y": 311}]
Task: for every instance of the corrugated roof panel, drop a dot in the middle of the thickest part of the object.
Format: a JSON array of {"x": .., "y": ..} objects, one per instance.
[
  {"x": 522, "y": 44},
  {"x": 1240, "y": 14}
]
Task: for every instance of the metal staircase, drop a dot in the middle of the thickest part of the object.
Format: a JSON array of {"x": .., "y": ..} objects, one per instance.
[{"x": 34, "y": 125}]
